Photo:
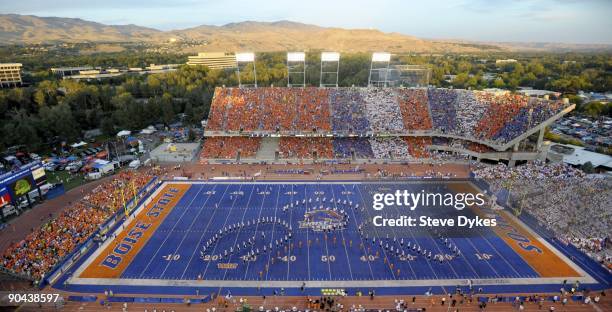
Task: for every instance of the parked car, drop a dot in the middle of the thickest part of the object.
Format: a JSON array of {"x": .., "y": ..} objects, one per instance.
[{"x": 51, "y": 167}]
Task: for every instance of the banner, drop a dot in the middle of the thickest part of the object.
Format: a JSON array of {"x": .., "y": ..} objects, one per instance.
[{"x": 5, "y": 197}]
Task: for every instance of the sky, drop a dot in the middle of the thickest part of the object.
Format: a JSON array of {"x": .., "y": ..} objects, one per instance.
[{"x": 566, "y": 21}]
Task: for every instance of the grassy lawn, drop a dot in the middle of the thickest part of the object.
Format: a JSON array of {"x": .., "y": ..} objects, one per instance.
[{"x": 70, "y": 181}]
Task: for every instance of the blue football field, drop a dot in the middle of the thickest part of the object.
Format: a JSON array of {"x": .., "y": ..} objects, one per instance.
[
  {"x": 262, "y": 237},
  {"x": 184, "y": 247}
]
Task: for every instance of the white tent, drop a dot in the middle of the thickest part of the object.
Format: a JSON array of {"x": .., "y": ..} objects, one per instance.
[
  {"x": 77, "y": 145},
  {"x": 124, "y": 133},
  {"x": 147, "y": 131}
]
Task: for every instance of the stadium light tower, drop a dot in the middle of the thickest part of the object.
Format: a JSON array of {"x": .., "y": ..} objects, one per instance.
[
  {"x": 381, "y": 72},
  {"x": 296, "y": 66},
  {"x": 246, "y": 57},
  {"x": 328, "y": 60}
]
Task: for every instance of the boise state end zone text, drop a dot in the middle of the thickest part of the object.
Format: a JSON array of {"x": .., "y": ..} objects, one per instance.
[{"x": 137, "y": 231}]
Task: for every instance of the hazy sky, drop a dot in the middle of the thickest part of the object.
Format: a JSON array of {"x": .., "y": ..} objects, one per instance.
[{"x": 570, "y": 21}]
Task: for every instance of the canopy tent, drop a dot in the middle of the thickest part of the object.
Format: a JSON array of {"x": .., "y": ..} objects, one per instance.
[
  {"x": 77, "y": 145},
  {"x": 148, "y": 130}
]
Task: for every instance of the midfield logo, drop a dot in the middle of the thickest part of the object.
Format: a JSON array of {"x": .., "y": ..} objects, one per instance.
[{"x": 323, "y": 220}]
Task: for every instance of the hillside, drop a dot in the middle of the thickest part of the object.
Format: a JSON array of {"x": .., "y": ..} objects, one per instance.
[
  {"x": 15, "y": 29},
  {"x": 286, "y": 35},
  {"x": 256, "y": 36}
]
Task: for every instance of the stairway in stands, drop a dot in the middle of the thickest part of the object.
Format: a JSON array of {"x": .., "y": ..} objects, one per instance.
[{"x": 267, "y": 148}]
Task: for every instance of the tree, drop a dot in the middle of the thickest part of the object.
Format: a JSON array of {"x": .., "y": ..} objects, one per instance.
[
  {"x": 123, "y": 115},
  {"x": 107, "y": 126},
  {"x": 22, "y": 131},
  {"x": 460, "y": 80},
  {"x": 595, "y": 109},
  {"x": 498, "y": 83},
  {"x": 153, "y": 85},
  {"x": 188, "y": 110},
  {"x": 58, "y": 121},
  {"x": 587, "y": 167},
  {"x": 529, "y": 80},
  {"x": 167, "y": 109}
]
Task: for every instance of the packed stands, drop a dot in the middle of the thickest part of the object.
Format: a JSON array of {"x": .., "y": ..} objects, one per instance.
[
  {"x": 348, "y": 111},
  {"x": 275, "y": 106},
  {"x": 382, "y": 110},
  {"x": 312, "y": 109},
  {"x": 417, "y": 146},
  {"x": 41, "y": 250},
  {"x": 360, "y": 146},
  {"x": 469, "y": 111},
  {"x": 500, "y": 111},
  {"x": 270, "y": 109},
  {"x": 485, "y": 119},
  {"x": 306, "y": 147},
  {"x": 574, "y": 205},
  {"x": 534, "y": 112},
  {"x": 414, "y": 107},
  {"x": 390, "y": 147},
  {"x": 442, "y": 106},
  {"x": 543, "y": 110},
  {"x": 227, "y": 147}
]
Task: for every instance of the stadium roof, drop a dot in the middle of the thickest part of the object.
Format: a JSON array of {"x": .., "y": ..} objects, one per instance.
[{"x": 578, "y": 156}]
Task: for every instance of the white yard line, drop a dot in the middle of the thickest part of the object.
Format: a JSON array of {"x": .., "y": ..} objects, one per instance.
[
  {"x": 248, "y": 263},
  {"x": 195, "y": 251},
  {"x": 223, "y": 225},
  {"x": 172, "y": 230},
  {"x": 348, "y": 260},
  {"x": 185, "y": 234}
]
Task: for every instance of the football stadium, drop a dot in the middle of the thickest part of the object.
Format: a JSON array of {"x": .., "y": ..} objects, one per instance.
[
  {"x": 299, "y": 199},
  {"x": 306, "y": 156}
]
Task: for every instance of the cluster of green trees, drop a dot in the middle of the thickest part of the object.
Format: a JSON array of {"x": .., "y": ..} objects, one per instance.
[
  {"x": 595, "y": 109},
  {"x": 567, "y": 73},
  {"x": 52, "y": 110},
  {"x": 59, "y": 110}
]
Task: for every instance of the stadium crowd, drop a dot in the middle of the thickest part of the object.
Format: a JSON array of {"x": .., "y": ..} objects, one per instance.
[
  {"x": 574, "y": 205},
  {"x": 306, "y": 147},
  {"x": 443, "y": 112},
  {"x": 469, "y": 111},
  {"x": 473, "y": 114},
  {"x": 497, "y": 118},
  {"x": 382, "y": 110},
  {"x": 392, "y": 147},
  {"x": 336, "y": 148},
  {"x": 348, "y": 107},
  {"x": 500, "y": 111},
  {"x": 343, "y": 147},
  {"x": 227, "y": 147},
  {"x": 270, "y": 109},
  {"x": 417, "y": 146},
  {"x": 41, "y": 250},
  {"x": 414, "y": 108}
]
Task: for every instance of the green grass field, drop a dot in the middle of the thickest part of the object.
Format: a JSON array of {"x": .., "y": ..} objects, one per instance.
[{"x": 70, "y": 180}]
